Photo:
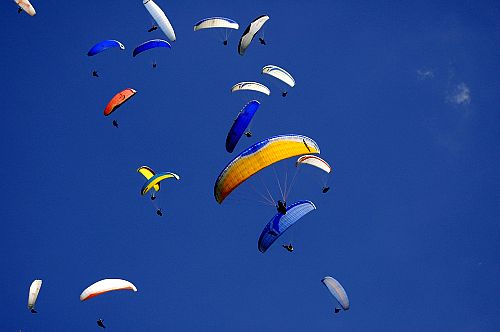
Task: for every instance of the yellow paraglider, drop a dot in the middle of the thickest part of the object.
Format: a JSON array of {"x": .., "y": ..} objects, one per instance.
[{"x": 258, "y": 157}]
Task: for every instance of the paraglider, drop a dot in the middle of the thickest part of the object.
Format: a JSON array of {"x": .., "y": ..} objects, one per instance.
[
  {"x": 160, "y": 19},
  {"x": 105, "y": 286},
  {"x": 259, "y": 156},
  {"x": 250, "y": 32},
  {"x": 280, "y": 74},
  {"x": 118, "y": 100},
  {"x": 281, "y": 222},
  {"x": 153, "y": 43},
  {"x": 33, "y": 294},
  {"x": 156, "y": 179},
  {"x": 313, "y": 161},
  {"x": 317, "y": 162},
  {"x": 26, "y": 6},
  {"x": 217, "y": 22},
  {"x": 100, "y": 323},
  {"x": 104, "y": 45},
  {"x": 240, "y": 124},
  {"x": 148, "y": 174},
  {"x": 337, "y": 291},
  {"x": 251, "y": 86}
]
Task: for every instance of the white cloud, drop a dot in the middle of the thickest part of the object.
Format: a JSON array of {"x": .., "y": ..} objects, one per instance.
[
  {"x": 425, "y": 74},
  {"x": 460, "y": 95}
]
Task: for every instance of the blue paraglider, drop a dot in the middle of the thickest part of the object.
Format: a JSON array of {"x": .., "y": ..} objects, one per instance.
[
  {"x": 104, "y": 45},
  {"x": 240, "y": 124},
  {"x": 153, "y": 43}
]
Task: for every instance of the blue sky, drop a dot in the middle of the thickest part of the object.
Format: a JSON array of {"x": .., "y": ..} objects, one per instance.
[{"x": 402, "y": 98}]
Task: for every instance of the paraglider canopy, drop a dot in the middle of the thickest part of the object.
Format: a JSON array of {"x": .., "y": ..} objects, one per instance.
[
  {"x": 104, "y": 45},
  {"x": 216, "y": 22},
  {"x": 105, "y": 286},
  {"x": 280, "y": 74},
  {"x": 337, "y": 291},
  {"x": 156, "y": 179},
  {"x": 118, "y": 100},
  {"x": 153, "y": 43},
  {"x": 313, "y": 161},
  {"x": 26, "y": 6},
  {"x": 259, "y": 156},
  {"x": 33, "y": 294},
  {"x": 240, "y": 124},
  {"x": 250, "y": 32},
  {"x": 281, "y": 222},
  {"x": 160, "y": 18}
]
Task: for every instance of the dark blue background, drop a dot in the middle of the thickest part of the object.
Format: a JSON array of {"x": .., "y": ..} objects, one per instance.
[{"x": 401, "y": 96}]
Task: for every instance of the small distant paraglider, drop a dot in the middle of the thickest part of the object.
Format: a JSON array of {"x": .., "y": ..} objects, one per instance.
[
  {"x": 26, "y": 6},
  {"x": 280, "y": 74},
  {"x": 319, "y": 163},
  {"x": 33, "y": 294},
  {"x": 250, "y": 32},
  {"x": 115, "y": 102},
  {"x": 240, "y": 124},
  {"x": 224, "y": 23},
  {"x": 105, "y": 286},
  {"x": 160, "y": 18},
  {"x": 338, "y": 293},
  {"x": 104, "y": 45}
]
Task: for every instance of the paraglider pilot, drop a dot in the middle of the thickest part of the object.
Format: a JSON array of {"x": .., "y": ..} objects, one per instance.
[
  {"x": 248, "y": 134},
  {"x": 281, "y": 207},
  {"x": 153, "y": 28},
  {"x": 288, "y": 247},
  {"x": 115, "y": 123},
  {"x": 100, "y": 323},
  {"x": 284, "y": 93},
  {"x": 337, "y": 310},
  {"x": 224, "y": 42},
  {"x": 33, "y": 311},
  {"x": 158, "y": 212},
  {"x": 325, "y": 189},
  {"x": 262, "y": 41},
  {"x": 94, "y": 73}
]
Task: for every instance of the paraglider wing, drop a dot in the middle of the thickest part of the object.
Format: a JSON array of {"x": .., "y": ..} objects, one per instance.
[
  {"x": 26, "y": 6},
  {"x": 251, "y": 86},
  {"x": 279, "y": 73},
  {"x": 314, "y": 161},
  {"x": 281, "y": 222},
  {"x": 104, "y": 45},
  {"x": 160, "y": 18},
  {"x": 148, "y": 174},
  {"x": 118, "y": 100},
  {"x": 250, "y": 32},
  {"x": 259, "y": 156},
  {"x": 33, "y": 294},
  {"x": 337, "y": 291},
  {"x": 104, "y": 286},
  {"x": 240, "y": 124},
  {"x": 153, "y": 43},
  {"x": 216, "y": 22},
  {"x": 156, "y": 180}
]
